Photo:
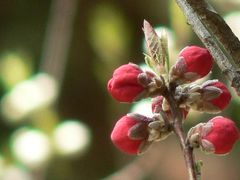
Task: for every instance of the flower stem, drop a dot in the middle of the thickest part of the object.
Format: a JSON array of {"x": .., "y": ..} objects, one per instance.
[
  {"x": 188, "y": 153},
  {"x": 178, "y": 130}
]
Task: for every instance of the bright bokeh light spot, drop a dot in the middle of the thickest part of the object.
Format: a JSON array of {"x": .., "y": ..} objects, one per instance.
[
  {"x": 29, "y": 96},
  {"x": 12, "y": 172},
  {"x": 14, "y": 68},
  {"x": 31, "y": 147},
  {"x": 71, "y": 137},
  {"x": 232, "y": 19},
  {"x": 143, "y": 107}
]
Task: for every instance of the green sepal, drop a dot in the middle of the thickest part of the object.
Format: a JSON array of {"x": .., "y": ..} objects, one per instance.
[{"x": 149, "y": 61}]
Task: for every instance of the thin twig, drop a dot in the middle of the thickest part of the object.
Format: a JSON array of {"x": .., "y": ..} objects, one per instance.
[
  {"x": 216, "y": 36},
  {"x": 58, "y": 37},
  {"x": 178, "y": 129}
]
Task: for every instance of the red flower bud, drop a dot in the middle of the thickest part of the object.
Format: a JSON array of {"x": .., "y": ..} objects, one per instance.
[
  {"x": 224, "y": 99},
  {"x": 194, "y": 63},
  {"x": 124, "y": 85},
  {"x": 121, "y": 134},
  {"x": 220, "y": 135},
  {"x": 198, "y": 60}
]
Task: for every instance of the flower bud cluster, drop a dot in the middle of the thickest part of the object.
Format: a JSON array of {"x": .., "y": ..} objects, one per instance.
[{"x": 133, "y": 133}]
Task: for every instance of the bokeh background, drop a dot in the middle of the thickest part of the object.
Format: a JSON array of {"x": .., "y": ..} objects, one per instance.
[{"x": 56, "y": 115}]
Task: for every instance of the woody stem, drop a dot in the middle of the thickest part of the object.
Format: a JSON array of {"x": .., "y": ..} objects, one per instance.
[{"x": 178, "y": 130}]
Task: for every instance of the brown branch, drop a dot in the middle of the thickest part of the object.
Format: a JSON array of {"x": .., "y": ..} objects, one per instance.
[
  {"x": 58, "y": 38},
  {"x": 216, "y": 36}
]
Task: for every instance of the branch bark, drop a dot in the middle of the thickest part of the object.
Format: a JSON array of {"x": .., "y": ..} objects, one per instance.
[{"x": 216, "y": 35}]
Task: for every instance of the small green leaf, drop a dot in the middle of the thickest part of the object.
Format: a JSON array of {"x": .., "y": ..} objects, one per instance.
[
  {"x": 157, "y": 49},
  {"x": 164, "y": 49},
  {"x": 151, "y": 63}
]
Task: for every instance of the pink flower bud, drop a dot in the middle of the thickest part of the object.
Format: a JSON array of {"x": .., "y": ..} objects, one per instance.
[
  {"x": 224, "y": 99},
  {"x": 194, "y": 63},
  {"x": 198, "y": 60},
  {"x": 124, "y": 85},
  {"x": 122, "y": 138},
  {"x": 220, "y": 135}
]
